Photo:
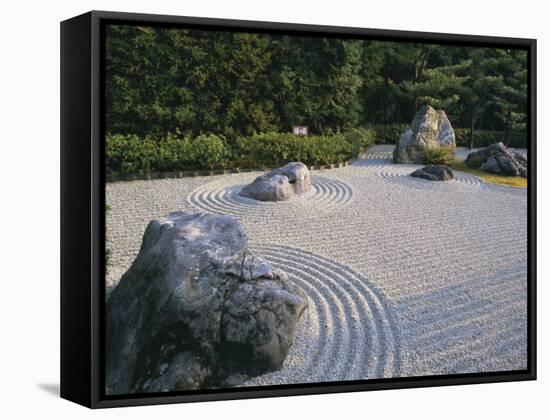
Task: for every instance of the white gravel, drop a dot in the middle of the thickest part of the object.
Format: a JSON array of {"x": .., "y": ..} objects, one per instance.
[{"x": 405, "y": 277}]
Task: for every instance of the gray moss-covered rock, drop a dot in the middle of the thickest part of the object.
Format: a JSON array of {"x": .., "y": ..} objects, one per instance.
[
  {"x": 197, "y": 310},
  {"x": 429, "y": 129},
  {"x": 279, "y": 184},
  {"x": 434, "y": 173},
  {"x": 498, "y": 159},
  {"x": 269, "y": 188}
]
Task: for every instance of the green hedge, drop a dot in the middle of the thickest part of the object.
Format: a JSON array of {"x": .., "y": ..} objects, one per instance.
[
  {"x": 130, "y": 154},
  {"x": 134, "y": 155},
  {"x": 387, "y": 133},
  {"x": 484, "y": 138},
  {"x": 360, "y": 139},
  {"x": 275, "y": 149},
  {"x": 390, "y": 133}
]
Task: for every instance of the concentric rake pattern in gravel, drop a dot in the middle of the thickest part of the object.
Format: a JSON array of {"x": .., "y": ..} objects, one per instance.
[
  {"x": 385, "y": 169},
  {"x": 402, "y": 174},
  {"x": 380, "y": 162},
  {"x": 347, "y": 328},
  {"x": 223, "y": 198},
  {"x": 444, "y": 262}
]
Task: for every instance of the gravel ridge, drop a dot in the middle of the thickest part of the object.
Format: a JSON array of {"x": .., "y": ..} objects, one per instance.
[{"x": 405, "y": 277}]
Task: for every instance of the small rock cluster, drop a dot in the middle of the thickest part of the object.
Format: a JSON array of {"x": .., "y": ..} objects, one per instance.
[{"x": 498, "y": 159}]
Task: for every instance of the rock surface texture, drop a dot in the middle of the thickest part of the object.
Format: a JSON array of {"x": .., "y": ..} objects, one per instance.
[
  {"x": 498, "y": 159},
  {"x": 429, "y": 129},
  {"x": 197, "y": 310},
  {"x": 434, "y": 173},
  {"x": 279, "y": 184}
]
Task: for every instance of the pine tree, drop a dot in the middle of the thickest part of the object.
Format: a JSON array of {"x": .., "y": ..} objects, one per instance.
[
  {"x": 438, "y": 85},
  {"x": 510, "y": 98},
  {"x": 161, "y": 81}
]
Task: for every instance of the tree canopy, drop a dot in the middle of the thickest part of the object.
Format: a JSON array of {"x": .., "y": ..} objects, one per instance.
[{"x": 160, "y": 81}]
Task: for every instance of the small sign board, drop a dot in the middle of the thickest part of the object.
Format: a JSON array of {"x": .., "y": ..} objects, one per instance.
[{"x": 299, "y": 130}]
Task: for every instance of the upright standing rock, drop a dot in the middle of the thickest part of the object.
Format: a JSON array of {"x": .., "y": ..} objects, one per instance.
[
  {"x": 429, "y": 129},
  {"x": 197, "y": 310}
]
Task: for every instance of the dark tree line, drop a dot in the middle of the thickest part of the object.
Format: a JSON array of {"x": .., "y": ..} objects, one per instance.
[{"x": 161, "y": 81}]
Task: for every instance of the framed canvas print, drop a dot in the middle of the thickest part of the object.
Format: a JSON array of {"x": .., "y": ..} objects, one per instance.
[{"x": 255, "y": 209}]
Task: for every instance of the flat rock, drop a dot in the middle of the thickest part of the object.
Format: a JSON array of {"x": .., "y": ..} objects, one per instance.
[
  {"x": 498, "y": 159},
  {"x": 434, "y": 173},
  {"x": 197, "y": 310},
  {"x": 429, "y": 129},
  {"x": 279, "y": 184}
]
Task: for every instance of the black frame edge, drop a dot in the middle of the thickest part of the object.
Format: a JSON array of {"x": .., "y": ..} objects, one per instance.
[
  {"x": 76, "y": 226},
  {"x": 532, "y": 216},
  {"x": 97, "y": 212},
  {"x": 386, "y": 34},
  {"x": 317, "y": 389}
]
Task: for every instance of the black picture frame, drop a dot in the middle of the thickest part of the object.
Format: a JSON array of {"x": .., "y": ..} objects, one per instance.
[{"x": 83, "y": 210}]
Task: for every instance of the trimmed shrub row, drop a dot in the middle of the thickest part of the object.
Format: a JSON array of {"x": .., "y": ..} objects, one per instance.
[
  {"x": 135, "y": 155},
  {"x": 387, "y": 133},
  {"x": 484, "y": 138},
  {"x": 145, "y": 155},
  {"x": 390, "y": 133}
]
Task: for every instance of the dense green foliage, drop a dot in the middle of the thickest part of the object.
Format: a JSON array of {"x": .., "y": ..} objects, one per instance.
[
  {"x": 387, "y": 133},
  {"x": 483, "y": 138},
  {"x": 360, "y": 139},
  {"x": 180, "y": 99},
  {"x": 439, "y": 156},
  {"x": 160, "y": 81},
  {"x": 390, "y": 133},
  {"x": 275, "y": 149},
  {"x": 130, "y": 154}
]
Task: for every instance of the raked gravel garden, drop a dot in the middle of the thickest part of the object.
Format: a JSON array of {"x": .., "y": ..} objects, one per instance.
[{"x": 404, "y": 277}]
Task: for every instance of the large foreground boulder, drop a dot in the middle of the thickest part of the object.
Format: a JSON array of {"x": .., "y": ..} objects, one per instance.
[
  {"x": 434, "y": 173},
  {"x": 279, "y": 184},
  {"x": 429, "y": 129},
  {"x": 498, "y": 159},
  {"x": 197, "y": 310}
]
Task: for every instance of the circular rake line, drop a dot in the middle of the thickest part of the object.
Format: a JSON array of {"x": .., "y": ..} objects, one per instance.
[
  {"x": 342, "y": 322},
  {"x": 380, "y": 166},
  {"x": 216, "y": 197},
  {"x": 405, "y": 178},
  {"x": 373, "y": 349}
]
